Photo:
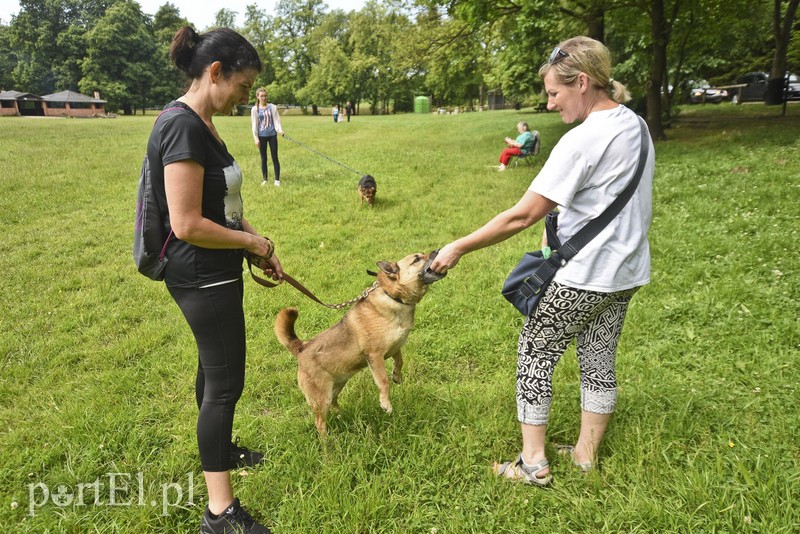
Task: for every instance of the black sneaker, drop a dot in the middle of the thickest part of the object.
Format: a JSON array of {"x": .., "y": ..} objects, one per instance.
[
  {"x": 234, "y": 520},
  {"x": 244, "y": 457}
]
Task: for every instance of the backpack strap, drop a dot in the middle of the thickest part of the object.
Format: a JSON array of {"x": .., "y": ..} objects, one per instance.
[{"x": 171, "y": 232}]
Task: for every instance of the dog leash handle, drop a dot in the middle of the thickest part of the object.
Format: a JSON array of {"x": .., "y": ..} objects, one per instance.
[
  {"x": 287, "y": 278},
  {"x": 301, "y": 288}
]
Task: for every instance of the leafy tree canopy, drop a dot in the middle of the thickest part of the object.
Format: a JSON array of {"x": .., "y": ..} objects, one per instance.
[{"x": 455, "y": 51}]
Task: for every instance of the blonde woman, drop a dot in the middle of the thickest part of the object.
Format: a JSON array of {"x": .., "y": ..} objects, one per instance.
[
  {"x": 266, "y": 125},
  {"x": 588, "y": 299}
]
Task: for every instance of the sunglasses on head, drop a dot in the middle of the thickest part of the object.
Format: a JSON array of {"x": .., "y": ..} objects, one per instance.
[{"x": 557, "y": 55}]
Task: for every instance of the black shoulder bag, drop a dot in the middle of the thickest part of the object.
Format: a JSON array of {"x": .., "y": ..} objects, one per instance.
[{"x": 528, "y": 281}]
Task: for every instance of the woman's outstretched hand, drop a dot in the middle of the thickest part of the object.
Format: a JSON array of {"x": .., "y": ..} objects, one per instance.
[{"x": 446, "y": 259}]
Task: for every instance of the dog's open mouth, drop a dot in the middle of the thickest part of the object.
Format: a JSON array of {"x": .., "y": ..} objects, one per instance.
[{"x": 426, "y": 274}]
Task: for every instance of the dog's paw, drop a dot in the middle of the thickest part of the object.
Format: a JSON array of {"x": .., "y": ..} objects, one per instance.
[
  {"x": 397, "y": 378},
  {"x": 387, "y": 406}
]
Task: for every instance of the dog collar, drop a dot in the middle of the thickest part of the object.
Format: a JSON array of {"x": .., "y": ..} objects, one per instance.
[{"x": 396, "y": 299}]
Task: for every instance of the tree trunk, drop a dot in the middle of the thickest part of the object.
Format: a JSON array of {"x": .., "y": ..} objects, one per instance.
[
  {"x": 596, "y": 23},
  {"x": 657, "y": 69},
  {"x": 782, "y": 32}
]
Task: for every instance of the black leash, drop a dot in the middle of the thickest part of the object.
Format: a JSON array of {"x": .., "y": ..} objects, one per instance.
[{"x": 323, "y": 155}]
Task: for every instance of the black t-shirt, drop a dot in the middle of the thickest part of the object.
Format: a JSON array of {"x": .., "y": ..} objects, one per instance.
[{"x": 180, "y": 134}]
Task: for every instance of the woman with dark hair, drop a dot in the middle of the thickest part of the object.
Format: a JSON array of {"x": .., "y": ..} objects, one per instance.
[
  {"x": 197, "y": 183},
  {"x": 588, "y": 299}
]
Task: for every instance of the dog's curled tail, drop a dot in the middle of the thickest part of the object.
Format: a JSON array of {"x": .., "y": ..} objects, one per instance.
[{"x": 284, "y": 330}]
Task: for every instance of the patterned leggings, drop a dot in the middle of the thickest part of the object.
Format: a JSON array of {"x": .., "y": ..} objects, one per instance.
[{"x": 563, "y": 314}]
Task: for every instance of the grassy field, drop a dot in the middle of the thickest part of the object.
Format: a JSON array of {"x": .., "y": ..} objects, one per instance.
[{"x": 97, "y": 414}]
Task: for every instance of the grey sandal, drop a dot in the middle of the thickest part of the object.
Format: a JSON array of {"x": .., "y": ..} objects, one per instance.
[
  {"x": 569, "y": 450},
  {"x": 519, "y": 472}
]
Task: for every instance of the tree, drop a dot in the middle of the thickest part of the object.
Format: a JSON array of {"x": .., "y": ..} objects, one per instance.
[
  {"x": 454, "y": 50},
  {"x": 330, "y": 76},
  {"x": 454, "y": 72},
  {"x": 591, "y": 14},
  {"x": 119, "y": 57},
  {"x": 513, "y": 37},
  {"x": 167, "y": 21},
  {"x": 539, "y": 15},
  {"x": 72, "y": 45},
  {"x": 659, "y": 29},
  {"x": 225, "y": 18},
  {"x": 375, "y": 41},
  {"x": 515, "y": 60},
  {"x": 258, "y": 28},
  {"x": 47, "y": 37},
  {"x": 292, "y": 61},
  {"x": 167, "y": 80},
  {"x": 8, "y": 59},
  {"x": 782, "y": 24}
]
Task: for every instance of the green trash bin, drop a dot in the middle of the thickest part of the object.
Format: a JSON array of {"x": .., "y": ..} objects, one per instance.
[{"x": 422, "y": 104}]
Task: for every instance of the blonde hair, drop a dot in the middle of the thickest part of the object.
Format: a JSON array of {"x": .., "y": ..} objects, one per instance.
[
  {"x": 591, "y": 57},
  {"x": 524, "y": 125},
  {"x": 261, "y": 90}
]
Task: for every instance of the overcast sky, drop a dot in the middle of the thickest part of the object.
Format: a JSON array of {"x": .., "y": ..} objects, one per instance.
[{"x": 201, "y": 14}]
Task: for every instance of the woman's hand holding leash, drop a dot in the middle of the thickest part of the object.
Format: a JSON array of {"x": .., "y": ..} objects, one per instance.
[
  {"x": 261, "y": 246},
  {"x": 261, "y": 254},
  {"x": 274, "y": 269}
]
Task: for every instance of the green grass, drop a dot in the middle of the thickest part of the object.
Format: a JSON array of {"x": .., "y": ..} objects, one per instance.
[{"x": 98, "y": 365}]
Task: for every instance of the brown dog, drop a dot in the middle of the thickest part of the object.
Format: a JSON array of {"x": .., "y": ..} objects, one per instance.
[
  {"x": 373, "y": 330},
  {"x": 367, "y": 187}
]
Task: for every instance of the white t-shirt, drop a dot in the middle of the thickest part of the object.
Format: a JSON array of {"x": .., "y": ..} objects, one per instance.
[{"x": 589, "y": 168}]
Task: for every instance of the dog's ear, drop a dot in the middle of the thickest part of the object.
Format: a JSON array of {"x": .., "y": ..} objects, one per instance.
[
  {"x": 389, "y": 268},
  {"x": 372, "y": 273}
]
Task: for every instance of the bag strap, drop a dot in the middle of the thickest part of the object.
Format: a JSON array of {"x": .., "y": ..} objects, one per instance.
[
  {"x": 569, "y": 249},
  {"x": 551, "y": 227},
  {"x": 164, "y": 248}
]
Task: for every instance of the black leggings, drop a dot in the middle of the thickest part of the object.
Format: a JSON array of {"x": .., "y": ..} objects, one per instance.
[
  {"x": 272, "y": 140},
  {"x": 216, "y": 317}
]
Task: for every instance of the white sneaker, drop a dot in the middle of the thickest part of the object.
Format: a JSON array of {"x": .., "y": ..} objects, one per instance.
[
  {"x": 277, "y": 183},
  {"x": 263, "y": 182}
]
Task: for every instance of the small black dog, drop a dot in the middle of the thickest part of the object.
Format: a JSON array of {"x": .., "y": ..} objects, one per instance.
[{"x": 367, "y": 187}]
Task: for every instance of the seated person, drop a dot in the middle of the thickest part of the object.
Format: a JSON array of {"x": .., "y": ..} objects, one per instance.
[{"x": 522, "y": 145}]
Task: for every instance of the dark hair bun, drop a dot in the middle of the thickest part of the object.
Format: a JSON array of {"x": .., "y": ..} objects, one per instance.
[
  {"x": 193, "y": 53},
  {"x": 182, "y": 49}
]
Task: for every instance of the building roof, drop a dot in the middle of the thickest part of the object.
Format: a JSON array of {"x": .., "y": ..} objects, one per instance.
[
  {"x": 71, "y": 96},
  {"x": 17, "y": 95}
]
